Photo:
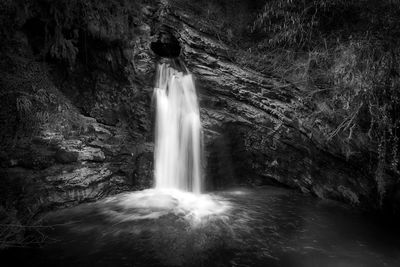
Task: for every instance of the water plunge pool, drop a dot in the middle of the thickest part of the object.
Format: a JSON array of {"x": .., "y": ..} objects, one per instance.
[{"x": 267, "y": 226}]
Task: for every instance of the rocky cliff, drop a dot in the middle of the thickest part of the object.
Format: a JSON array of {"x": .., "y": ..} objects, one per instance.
[{"x": 79, "y": 128}]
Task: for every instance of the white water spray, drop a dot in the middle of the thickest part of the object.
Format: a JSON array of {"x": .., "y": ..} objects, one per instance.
[{"x": 178, "y": 132}]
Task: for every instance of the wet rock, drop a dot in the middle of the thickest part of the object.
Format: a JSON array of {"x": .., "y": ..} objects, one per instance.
[
  {"x": 74, "y": 150},
  {"x": 91, "y": 154}
]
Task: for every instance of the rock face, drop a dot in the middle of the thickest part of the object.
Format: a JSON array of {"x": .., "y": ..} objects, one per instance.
[
  {"x": 257, "y": 129},
  {"x": 76, "y": 133},
  {"x": 68, "y": 171},
  {"x": 97, "y": 139}
]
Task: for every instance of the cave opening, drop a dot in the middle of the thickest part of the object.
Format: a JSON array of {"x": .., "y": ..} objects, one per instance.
[{"x": 166, "y": 45}]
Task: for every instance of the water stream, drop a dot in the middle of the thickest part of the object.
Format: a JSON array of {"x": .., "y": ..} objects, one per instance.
[{"x": 178, "y": 142}]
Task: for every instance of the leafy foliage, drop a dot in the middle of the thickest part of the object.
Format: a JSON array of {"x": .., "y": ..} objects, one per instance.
[
  {"x": 228, "y": 20},
  {"x": 64, "y": 49},
  {"x": 300, "y": 23},
  {"x": 68, "y": 22},
  {"x": 344, "y": 55}
]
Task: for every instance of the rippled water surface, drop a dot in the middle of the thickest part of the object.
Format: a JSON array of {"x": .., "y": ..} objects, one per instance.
[{"x": 240, "y": 227}]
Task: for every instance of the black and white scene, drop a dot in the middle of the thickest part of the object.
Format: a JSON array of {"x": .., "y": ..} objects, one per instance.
[{"x": 199, "y": 133}]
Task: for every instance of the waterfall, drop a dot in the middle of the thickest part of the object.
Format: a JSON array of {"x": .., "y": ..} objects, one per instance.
[{"x": 178, "y": 132}]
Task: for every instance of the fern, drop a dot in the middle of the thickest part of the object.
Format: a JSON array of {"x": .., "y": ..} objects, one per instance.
[
  {"x": 64, "y": 49},
  {"x": 24, "y": 105}
]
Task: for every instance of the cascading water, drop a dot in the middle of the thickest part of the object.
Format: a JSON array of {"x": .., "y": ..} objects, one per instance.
[{"x": 178, "y": 132}]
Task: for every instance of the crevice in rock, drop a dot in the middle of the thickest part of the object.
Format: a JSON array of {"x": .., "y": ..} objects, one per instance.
[{"x": 166, "y": 44}]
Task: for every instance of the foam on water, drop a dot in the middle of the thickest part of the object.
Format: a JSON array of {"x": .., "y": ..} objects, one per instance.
[{"x": 155, "y": 203}]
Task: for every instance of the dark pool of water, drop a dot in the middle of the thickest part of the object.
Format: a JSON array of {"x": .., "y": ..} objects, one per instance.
[{"x": 253, "y": 227}]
